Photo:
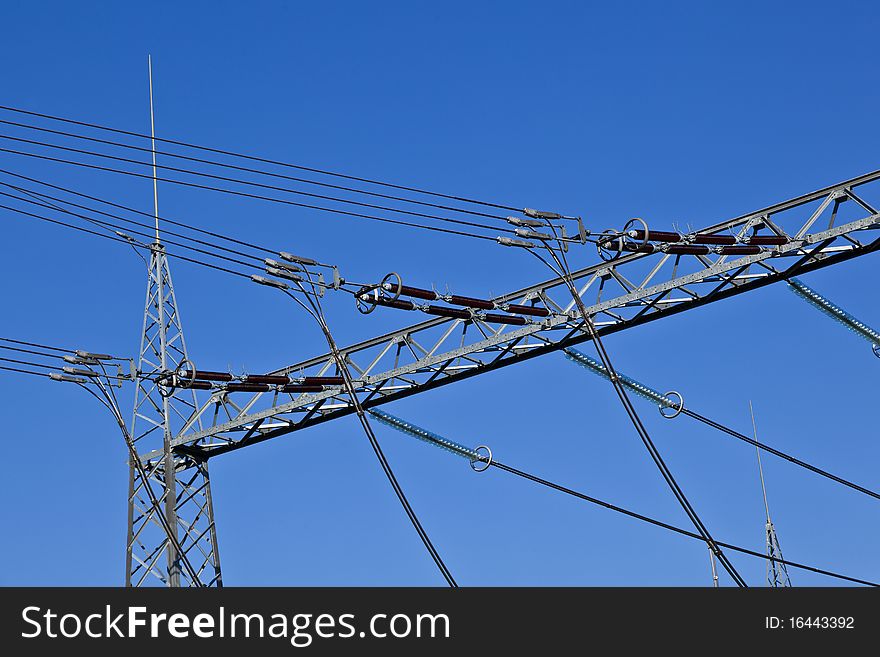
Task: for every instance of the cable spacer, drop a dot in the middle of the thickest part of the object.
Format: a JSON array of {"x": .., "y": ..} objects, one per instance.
[
  {"x": 677, "y": 410},
  {"x": 485, "y": 458},
  {"x": 876, "y": 349}
]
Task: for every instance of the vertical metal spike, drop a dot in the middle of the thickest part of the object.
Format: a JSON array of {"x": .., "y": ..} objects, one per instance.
[
  {"x": 153, "y": 148},
  {"x": 714, "y": 571},
  {"x": 777, "y": 573}
]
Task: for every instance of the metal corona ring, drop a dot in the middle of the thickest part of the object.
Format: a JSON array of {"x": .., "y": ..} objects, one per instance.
[
  {"x": 481, "y": 459},
  {"x": 677, "y": 410}
]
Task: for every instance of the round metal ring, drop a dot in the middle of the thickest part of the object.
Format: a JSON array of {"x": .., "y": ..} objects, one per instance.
[
  {"x": 677, "y": 410},
  {"x": 186, "y": 365},
  {"x": 876, "y": 349},
  {"x": 485, "y": 459},
  {"x": 393, "y": 274},
  {"x": 165, "y": 391},
  {"x": 364, "y": 306},
  {"x": 604, "y": 255},
  {"x": 644, "y": 226}
]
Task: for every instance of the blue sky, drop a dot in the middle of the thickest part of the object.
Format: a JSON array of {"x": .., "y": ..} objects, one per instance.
[{"x": 688, "y": 112}]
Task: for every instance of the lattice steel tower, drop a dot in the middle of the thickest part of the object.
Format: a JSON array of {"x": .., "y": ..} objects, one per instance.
[{"x": 180, "y": 482}]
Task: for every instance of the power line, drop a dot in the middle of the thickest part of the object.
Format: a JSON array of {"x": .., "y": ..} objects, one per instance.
[
  {"x": 650, "y": 394},
  {"x": 276, "y": 188},
  {"x": 56, "y": 368},
  {"x": 565, "y": 273},
  {"x": 123, "y": 238},
  {"x": 39, "y": 195},
  {"x": 791, "y": 459},
  {"x": 672, "y": 528},
  {"x": 29, "y": 364},
  {"x": 125, "y": 241},
  {"x": 474, "y": 456},
  {"x": 262, "y": 160},
  {"x": 639, "y": 426},
  {"x": 343, "y": 285},
  {"x": 165, "y": 220},
  {"x": 20, "y": 371},
  {"x": 30, "y": 351},
  {"x": 37, "y": 345},
  {"x": 253, "y": 196},
  {"x": 252, "y": 170},
  {"x": 317, "y": 313},
  {"x": 111, "y": 225}
]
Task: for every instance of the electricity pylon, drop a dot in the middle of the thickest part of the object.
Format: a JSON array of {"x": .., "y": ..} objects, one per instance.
[{"x": 181, "y": 482}]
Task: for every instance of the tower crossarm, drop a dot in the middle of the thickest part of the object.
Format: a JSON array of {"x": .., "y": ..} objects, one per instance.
[{"x": 815, "y": 230}]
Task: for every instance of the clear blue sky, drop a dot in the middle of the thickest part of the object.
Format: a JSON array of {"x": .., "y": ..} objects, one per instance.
[{"x": 689, "y": 112}]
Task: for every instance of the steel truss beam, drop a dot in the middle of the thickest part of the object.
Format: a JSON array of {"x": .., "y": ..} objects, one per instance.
[{"x": 632, "y": 290}]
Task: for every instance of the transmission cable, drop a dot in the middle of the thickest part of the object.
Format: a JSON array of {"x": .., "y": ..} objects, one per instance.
[
  {"x": 253, "y": 196},
  {"x": 791, "y": 459},
  {"x": 227, "y": 179},
  {"x": 20, "y": 371},
  {"x": 61, "y": 369},
  {"x": 565, "y": 274},
  {"x": 646, "y": 392},
  {"x": 165, "y": 231},
  {"x": 252, "y": 170},
  {"x": 672, "y": 528},
  {"x": 262, "y": 160},
  {"x": 30, "y": 351},
  {"x": 317, "y": 313},
  {"x": 29, "y": 364},
  {"x": 151, "y": 215},
  {"x": 130, "y": 242},
  {"x": 110, "y": 225},
  {"x": 37, "y": 345}
]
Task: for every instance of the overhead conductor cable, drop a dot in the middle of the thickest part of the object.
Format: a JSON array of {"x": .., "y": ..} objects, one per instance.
[
  {"x": 565, "y": 273},
  {"x": 485, "y": 460},
  {"x": 259, "y": 159},
  {"x": 677, "y": 407},
  {"x": 315, "y": 310}
]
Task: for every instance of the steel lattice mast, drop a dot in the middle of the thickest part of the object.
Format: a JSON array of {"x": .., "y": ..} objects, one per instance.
[{"x": 182, "y": 483}]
